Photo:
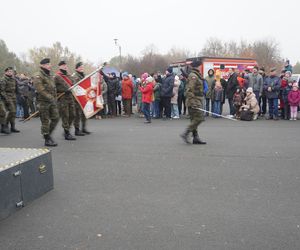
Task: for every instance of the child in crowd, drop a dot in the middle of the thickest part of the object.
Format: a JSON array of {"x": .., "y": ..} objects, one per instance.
[
  {"x": 217, "y": 95},
  {"x": 147, "y": 92},
  {"x": 294, "y": 101}
]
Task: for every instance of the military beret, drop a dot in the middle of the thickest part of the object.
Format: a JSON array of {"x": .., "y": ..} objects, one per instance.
[
  {"x": 62, "y": 63},
  {"x": 8, "y": 68},
  {"x": 45, "y": 61},
  {"x": 78, "y": 65}
]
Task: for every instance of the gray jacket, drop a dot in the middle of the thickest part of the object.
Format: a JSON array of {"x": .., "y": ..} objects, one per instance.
[{"x": 256, "y": 82}]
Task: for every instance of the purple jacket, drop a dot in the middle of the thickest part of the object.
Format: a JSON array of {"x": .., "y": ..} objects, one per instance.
[{"x": 294, "y": 97}]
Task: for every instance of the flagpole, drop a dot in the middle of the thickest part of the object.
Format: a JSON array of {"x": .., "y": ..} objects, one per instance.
[
  {"x": 225, "y": 117},
  {"x": 69, "y": 89}
]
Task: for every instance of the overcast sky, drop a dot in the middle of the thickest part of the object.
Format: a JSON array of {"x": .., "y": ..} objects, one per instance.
[{"x": 88, "y": 27}]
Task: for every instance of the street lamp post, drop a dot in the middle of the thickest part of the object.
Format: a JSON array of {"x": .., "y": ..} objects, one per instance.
[{"x": 120, "y": 50}]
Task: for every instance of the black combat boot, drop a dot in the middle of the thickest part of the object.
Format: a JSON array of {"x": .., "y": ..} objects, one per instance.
[
  {"x": 68, "y": 136},
  {"x": 185, "y": 136},
  {"x": 196, "y": 139},
  {"x": 78, "y": 132},
  {"x": 4, "y": 129},
  {"x": 49, "y": 142},
  {"x": 13, "y": 128},
  {"x": 85, "y": 131}
]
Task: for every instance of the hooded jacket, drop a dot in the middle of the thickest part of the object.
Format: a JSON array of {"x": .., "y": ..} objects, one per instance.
[{"x": 294, "y": 97}]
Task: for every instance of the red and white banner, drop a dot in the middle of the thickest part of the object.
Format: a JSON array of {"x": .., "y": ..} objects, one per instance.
[{"x": 88, "y": 95}]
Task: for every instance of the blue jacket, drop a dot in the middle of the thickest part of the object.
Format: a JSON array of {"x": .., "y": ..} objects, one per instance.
[
  {"x": 285, "y": 93},
  {"x": 274, "y": 83}
]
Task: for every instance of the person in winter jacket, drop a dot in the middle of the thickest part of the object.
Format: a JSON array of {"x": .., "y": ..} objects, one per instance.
[
  {"x": 217, "y": 95},
  {"x": 209, "y": 79},
  {"x": 272, "y": 88},
  {"x": 285, "y": 93},
  {"x": 286, "y": 79},
  {"x": 263, "y": 99},
  {"x": 294, "y": 101},
  {"x": 181, "y": 97},
  {"x": 174, "y": 99},
  {"x": 167, "y": 92},
  {"x": 127, "y": 92},
  {"x": 256, "y": 82},
  {"x": 112, "y": 91},
  {"x": 288, "y": 66},
  {"x": 147, "y": 92},
  {"x": 232, "y": 85},
  {"x": 251, "y": 103},
  {"x": 156, "y": 102}
]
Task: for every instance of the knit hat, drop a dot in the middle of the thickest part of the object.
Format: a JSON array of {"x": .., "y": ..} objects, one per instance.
[
  {"x": 149, "y": 79},
  {"x": 144, "y": 76},
  {"x": 170, "y": 70},
  {"x": 250, "y": 90},
  {"x": 125, "y": 74},
  {"x": 45, "y": 61}
]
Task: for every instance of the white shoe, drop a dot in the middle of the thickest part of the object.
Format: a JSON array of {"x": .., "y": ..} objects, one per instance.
[{"x": 176, "y": 117}]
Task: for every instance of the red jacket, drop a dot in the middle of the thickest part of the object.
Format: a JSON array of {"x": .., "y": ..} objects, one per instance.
[
  {"x": 294, "y": 97},
  {"x": 127, "y": 89},
  {"x": 147, "y": 93}
]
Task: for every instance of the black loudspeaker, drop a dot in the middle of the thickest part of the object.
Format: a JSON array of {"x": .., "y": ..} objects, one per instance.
[
  {"x": 25, "y": 175},
  {"x": 222, "y": 66}
]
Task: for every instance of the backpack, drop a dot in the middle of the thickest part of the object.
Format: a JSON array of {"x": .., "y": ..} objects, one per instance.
[{"x": 246, "y": 115}]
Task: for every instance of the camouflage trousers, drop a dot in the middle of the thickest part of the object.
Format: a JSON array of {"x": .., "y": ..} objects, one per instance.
[
  {"x": 67, "y": 112},
  {"x": 49, "y": 117},
  {"x": 79, "y": 116},
  {"x": 196, "y": 117},
  {"x": 11, "y": 107},
  {"x": 2, "y": 113}
]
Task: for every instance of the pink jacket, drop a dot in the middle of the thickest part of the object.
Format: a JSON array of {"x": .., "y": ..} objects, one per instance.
[{"x": 294, "y": 97}]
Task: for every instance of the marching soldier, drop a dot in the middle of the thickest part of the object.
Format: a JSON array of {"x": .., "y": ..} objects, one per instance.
[
  {"x": 46, "y": 99},
  {"x": 79, "y": 115},
  {"x": 66, "y": 103},
  {"x": 3, "y": 112},
  {"x": 9, "y": 95},
  {"x": 195, "y": 102}
]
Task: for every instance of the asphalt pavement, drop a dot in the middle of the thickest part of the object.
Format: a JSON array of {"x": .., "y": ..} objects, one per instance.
[{"x": 136, "y": 186}]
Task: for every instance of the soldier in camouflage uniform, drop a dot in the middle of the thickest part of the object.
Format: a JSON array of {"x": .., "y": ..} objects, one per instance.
[
  {"x": 194, "y": 101},
  {"x": 79, "y": 115},
  {"x": 9, "y": 95},
  {"x": 3, "y": 112},
  {"x": 47, "y": 101},
  {"x": 66, "y": 103}
]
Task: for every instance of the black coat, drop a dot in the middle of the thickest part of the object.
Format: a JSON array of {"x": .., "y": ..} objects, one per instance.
[
  {"x": 167, "y": 86},
  {"x": 232, "y": 85}
]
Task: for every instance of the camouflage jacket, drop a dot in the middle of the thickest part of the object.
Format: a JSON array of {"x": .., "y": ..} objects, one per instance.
[
  {"x": 8, "y": 88},
  {"x": 45, "y": 87},
  {"x": 62, "y": 85},
  {"x": 194, "y": 90},
  {"x": 76, "y": 77}
]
